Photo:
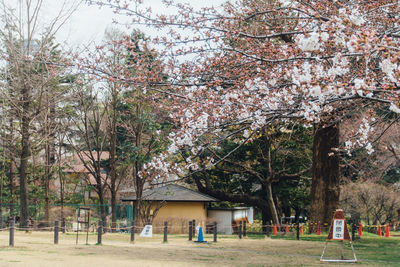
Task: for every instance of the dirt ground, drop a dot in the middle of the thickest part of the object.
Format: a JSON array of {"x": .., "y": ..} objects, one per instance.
[{"x": 37, "y": 249}]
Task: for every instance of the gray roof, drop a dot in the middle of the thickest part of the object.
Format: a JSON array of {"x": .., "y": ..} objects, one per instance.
[{"x": 172, "y": 192}]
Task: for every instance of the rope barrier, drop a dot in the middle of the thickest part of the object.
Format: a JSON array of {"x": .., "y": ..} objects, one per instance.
[{"x": 183, "y": 227}]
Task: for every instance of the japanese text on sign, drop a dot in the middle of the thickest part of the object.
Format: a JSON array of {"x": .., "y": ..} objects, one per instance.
[{"x": 338, "y": 230}]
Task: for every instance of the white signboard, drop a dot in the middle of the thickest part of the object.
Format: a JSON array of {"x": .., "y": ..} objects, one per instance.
[
  {"x": 147, "y": 231},
  {"x": 338, "y": 229},
  {"x": 76, "y": 227}
]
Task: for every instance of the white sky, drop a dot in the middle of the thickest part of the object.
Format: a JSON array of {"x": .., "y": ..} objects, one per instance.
[{"x": 88, "y": 23}]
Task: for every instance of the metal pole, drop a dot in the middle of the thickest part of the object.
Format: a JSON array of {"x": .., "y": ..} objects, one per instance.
[
  {"x": 215, "y": 231},
  {"x": 342, "y": 250},
  {"x": 240, "y": 230},
  {"x": 298, "y": 231},
  {"x": 133, "y": 232},
  {"x": 56, "y": 232},
  {"x": 165, "y": 231},
  {"x": 87, "y": 227},
  {"x": 12, "y": 228},
  {"x": 244, "y": 228},
  {"x": 194, "y": 228},
  {"x": 99, "y": 232},
  {"x": 190, "y": 230}
]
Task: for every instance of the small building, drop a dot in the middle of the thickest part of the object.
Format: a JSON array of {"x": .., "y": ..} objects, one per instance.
[
  {"x": 177, "y": 205},
  {"x": 229, "y": 218}
]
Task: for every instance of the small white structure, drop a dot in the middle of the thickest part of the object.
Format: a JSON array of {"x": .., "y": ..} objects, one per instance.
[{"x": 227, "y": 217}]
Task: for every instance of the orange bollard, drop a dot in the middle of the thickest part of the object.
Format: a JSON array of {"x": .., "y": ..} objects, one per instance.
[
  {"x": 379, "y": 231},
  {"x": 319, "y": 228},
  {"x": 287, "y": 228},
  {"x": 360, "y": 231},
  {"x": 301, "y": 229},
  {"x": 275, "y": 229},
  {"x": 387, "y": 234}
]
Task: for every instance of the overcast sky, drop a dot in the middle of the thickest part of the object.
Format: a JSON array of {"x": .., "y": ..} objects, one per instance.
[{"x": 88, "y": 23}]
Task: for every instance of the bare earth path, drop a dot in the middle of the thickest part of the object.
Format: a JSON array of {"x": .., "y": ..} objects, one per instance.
[{"x": 37, "y": 249}]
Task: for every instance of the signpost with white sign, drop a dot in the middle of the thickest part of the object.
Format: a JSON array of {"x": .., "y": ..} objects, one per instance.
[
  {"x": 147, "y": 231},
  {"x": 339, "y": 231}
]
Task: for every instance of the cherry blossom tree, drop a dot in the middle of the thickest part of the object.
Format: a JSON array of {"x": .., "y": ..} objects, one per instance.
[
  {"x": 126, "y": 69},
  {"x": 256, "y": 62}
]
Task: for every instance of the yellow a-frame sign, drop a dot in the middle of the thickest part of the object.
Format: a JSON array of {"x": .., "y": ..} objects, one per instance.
[{"x": 338, "y": 231}]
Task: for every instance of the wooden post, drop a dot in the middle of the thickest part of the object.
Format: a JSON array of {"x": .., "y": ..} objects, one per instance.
[
  {"x": 240, "y": 230},
  {"x": 133, "y": 232},
  {"x": 190, "y": 230},
  {"x": 215, "y": 231},
  {"x": 63, "y": 226},
  {"x": 56, "y": 232},
  {"x": 99, "y": 232},
  {"x": 165, "y": 232},
  {"x": 12, "y": 228},
  {"x": 194, "y": 228}
]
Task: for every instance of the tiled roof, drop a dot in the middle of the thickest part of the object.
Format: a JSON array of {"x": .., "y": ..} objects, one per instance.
[{"x": 172, "y": 192}]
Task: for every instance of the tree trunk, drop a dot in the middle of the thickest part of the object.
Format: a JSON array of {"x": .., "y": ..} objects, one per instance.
[
  {"x": 47, "y": 185},
  {"x": 101, "y": 200},
  {"x": 12, "y": 166},
  {"x": 271, "y": 204},
  {"x": 325, "y": 188},
  {"x": 24, "y": 214},
  {"x": 11, "y": 185},
  {"x": 50, "y": 156},
  {"x": 266, "y": 219},
  {"x": 113, "y": 164},
  {"x": 113, "y": 210}
]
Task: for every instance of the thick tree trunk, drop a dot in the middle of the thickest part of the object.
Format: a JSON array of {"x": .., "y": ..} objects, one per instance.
[
  {"x": 325, "y": 188},
  {"x": 266, "y": 219}
]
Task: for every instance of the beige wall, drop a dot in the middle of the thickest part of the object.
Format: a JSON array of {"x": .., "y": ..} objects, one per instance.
[
  {"x": 183, "y": 210},
  {"x": 178, "y": 215}
]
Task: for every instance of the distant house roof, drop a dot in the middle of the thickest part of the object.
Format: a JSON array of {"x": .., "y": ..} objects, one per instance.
[
  {"x": 74, "y": 164},
  {"x": 172, "y": 192}
]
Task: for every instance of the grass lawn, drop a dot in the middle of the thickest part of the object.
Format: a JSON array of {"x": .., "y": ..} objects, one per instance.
[
  {"x": 370, "y": 248},
  {"x": 37, "y": 249}
]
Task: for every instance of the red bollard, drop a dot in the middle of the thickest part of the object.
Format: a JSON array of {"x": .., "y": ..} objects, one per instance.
[
  {"x": 301, "y": 229},
  {"x": 387, "y": 234},
  {"x": 319, "y": 228},
  {"x": 287, "y": 228},
  {"x": 379, "y": 231},
  {"x": 275, "y": 229},
  {"x": 360, "y": 231}
]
